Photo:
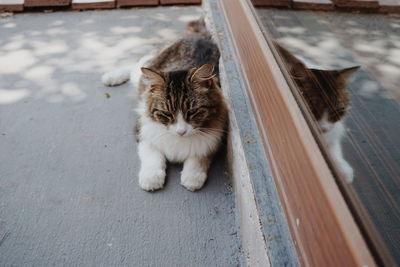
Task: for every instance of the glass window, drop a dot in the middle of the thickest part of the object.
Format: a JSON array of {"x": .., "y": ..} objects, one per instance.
[{"x": 345, "y": 69}]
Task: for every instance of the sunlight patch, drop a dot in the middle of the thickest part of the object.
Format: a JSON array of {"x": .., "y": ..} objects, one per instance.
[
  {"x": 125, "y": 30},
  {"x": 16, "y": 62},
  {"x": 12, "y": 96},
  {"x": 73, "y": 91},
  {"x": 187, "y": 18}
]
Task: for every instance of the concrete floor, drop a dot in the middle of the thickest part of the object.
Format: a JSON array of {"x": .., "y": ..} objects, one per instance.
[{"x": 69, "y": 194}]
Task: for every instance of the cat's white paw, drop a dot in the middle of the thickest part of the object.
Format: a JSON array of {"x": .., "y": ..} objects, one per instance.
[
  {"x": 151, "y": 179},
  {"x": 193, "y": 180},
  {"x": 116, "y": 77},
  {"x": 347, "y": 171}
]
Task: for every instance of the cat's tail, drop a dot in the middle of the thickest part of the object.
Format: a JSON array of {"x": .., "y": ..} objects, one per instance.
[
  {"x": 124, "y": 74},
  {"x": 116, "y": 77},
  {"x": 198, "y": 27},
  {"x": 136, "y": 73}
]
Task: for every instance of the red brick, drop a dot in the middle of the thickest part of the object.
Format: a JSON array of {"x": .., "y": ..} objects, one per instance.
[
  {"x": 92, "y": 4},
  {"x": 172, "y": 2},
  {"x": 11, "y": 5},
  {"x": 389, "y": 6},
  {"x": 272, "y": 3},
  {"x": 313, "y": 4},
  {"x": 34, "y": 3},
  {"x": 121, "y": 3}
]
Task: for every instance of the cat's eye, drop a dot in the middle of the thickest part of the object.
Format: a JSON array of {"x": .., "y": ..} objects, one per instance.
[
  {"x": 163, "y": 115},
  {"x": 196, "y": 113},
  {"x": 163, "y": 112}
]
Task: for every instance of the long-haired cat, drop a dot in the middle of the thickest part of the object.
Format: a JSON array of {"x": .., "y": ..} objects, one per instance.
[
  {"x": 182, "y": 112},
  {"x": 327, "y": 97}
]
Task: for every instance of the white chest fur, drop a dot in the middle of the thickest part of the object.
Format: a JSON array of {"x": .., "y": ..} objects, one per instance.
[
  {"x": 174, "y": 147},
  {"x": 333, "y": 135}
]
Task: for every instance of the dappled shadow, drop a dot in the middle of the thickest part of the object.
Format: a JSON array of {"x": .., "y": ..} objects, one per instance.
[
  {"x": 317, "y": 38},
  {"x": 375, "y": 41},
  {"x": 304, "y": 38},
  {"x": 48, "y": 56},
  {"x": 69, "y": 192}
]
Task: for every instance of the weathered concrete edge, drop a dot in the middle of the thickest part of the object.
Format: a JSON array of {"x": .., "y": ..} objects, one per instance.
[{"x": 264, "y": 232}]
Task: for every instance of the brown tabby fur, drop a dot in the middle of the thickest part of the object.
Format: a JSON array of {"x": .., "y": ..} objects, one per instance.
[
  {"x": 323, "y": 90},
  {"x": 184, "y": 77}
]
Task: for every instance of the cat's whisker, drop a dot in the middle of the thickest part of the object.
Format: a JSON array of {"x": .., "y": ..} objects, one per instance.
[
  {"x": 214, "y": 134},
  {"x": 210, "y": 136},
  {"x": 215, "y": 130},
  {"x": 208, "y": 133},
  {"x": 212, "y": 130}
]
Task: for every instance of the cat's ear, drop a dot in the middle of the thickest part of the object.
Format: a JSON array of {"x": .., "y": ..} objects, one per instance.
[
  {"x": 347, "y": 72},
  {"x": 203, "y": 75},
  {"x": 295, "y": 67},
  {"x": 152, "y": 77},
  {"x": 205, "y": 72}
]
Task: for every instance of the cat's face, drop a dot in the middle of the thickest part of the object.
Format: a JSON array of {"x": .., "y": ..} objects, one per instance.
[
  {"x": 326, "y": 94},
  {"x": 185, "y": 102},
  {"x": 324, "y": 91}
]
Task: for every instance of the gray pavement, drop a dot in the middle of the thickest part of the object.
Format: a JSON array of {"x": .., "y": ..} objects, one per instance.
[{"x": 68, "y": 165}]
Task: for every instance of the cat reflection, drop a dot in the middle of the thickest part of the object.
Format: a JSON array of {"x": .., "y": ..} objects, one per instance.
[{"x": 327, "y": 97}]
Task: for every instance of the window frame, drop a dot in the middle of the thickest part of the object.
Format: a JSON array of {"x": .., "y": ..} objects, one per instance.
[{"x": 301, "y": 173}]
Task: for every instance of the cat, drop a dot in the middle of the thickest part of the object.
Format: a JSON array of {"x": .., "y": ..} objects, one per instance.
[
  {"x": 327, "y": 97},
  {"x": 182, "y": 112}
]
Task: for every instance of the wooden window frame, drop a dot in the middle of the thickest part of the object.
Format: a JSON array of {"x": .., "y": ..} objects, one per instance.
[{"x": 322, "y": 226}]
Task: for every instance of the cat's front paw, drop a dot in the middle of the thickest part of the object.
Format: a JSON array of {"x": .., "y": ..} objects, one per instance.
[
  {"x": 151, "y": 180},
  {"x": 193, "y": 180},
  {"x": 348, "y": 172},
  {"x": 345, "y": 170}
]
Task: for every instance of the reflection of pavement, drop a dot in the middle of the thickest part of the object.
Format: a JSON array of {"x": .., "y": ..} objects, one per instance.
[
  {"x": 373, "y": 39},
  {"x": 372, "y": 145},
  {"x": 68, "y": 164}
]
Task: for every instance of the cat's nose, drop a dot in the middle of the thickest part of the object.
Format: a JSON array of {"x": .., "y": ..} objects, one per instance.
[{"x": 181, "y": 132}]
